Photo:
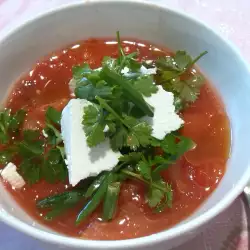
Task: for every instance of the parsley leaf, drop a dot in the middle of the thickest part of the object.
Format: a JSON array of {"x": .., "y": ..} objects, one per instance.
[
  {"x": 160, "y": 195},
  {"x": 129, "y": 90},
  {"x": 53, "y": 116},
  {"x": 139, "y": 135},
  {"x": 145, "y": 85},
  {"x": 89, "y": 92},
  {"x": 30, "y": 146},
  {"x": 93, "y": 124},
  {"x": 54, "y": 168},
  {"x": 175, "y": 75},
  {"x": 7, "y": 154},
  {"x": 144, "y": 169},
  {"x": 30, "y": 171},
  {"x": 53, "y": 119},
  {"x": 188, "y": 90},
  {"x": 132, "y": 157},
  {"x": 10, "y": 123},
  {"x": 118, "y": 139}
]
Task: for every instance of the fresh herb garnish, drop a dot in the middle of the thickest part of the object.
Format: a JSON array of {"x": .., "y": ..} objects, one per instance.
[
  {"x": 174, "y": 73},
  {"x": 53, "y": 118},
  {"x": 10, "y": 123},
  {"x": 116, "y": 94}
]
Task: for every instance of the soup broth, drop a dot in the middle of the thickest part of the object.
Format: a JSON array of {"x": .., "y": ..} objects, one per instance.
[{"x": 193, "y": 177}]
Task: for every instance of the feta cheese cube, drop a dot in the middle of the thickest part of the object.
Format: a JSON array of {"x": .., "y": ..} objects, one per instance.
[
  {"x": 150, "y": 71},
  {"x": 10, "y": 175},
  {"x": 165, "y": 119},
  {"x": 83, "y": 161}
]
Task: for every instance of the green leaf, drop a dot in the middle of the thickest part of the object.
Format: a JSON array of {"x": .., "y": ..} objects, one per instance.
[
  {"x": 30, "y": 146},
  {"x": 118, "y": 140},
  {"x": 182, "y": 59},
  {"x": 62, "y": 151},
  {"x": 185, "y": 144},
  {"x": 159, "y": 195},
  {"x": 144, "y": 169},
  {"x": 7, "y": 155},
  {"x": 166, "y": 63},
  {"x": 111, "y": 200},
  {"x": 136, "y": 112},
  {"x": 132, "y": 157},
  {"x": 169, "y": 75},
  {"x": 174, "y": 73},
  {"x": 146, "y": 86},
  {"x": 30, "y": 149},
  {"x": 154, "y": 197},
  {"x": 140, "y": 135},
  {"x": 53, "y": 116},
  {"x": 54, "y": 135},
  {"x": 109, "y": 62},
  {"x": 54, "y": 168},
  {"x": 30, "y": 171},
  {"x": 129, "y": 91},
  {"x": 31, "y": 135},
  {"x": 178, "y": 103},
  {"x": 93, "y": 125},
  {"x": 169, "y": 144},
  {"x": 10, "y": 123},
  {"x": 17, "y": 120},
  {"x": 81, "y": 70},
  {"x": 89, "y": 92}
]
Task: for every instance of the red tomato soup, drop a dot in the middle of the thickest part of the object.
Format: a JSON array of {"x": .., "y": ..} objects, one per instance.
[{"x": 194, "y": 177}]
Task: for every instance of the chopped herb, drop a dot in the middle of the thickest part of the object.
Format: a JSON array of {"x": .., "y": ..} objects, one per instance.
[
  {"x": 53, "y": 118},
  {"x": 10, "y": 123},
  {"x": 93, "y": 124},
  {"x": 174, "y": 74},
  {"x": 146, "y": 86},
  {"x": 110, "y": 200},
  {"x": 30, "y": 170},
  {"x": 54, "y": 168}
]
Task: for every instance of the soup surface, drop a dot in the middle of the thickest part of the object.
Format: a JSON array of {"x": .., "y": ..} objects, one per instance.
[{"x": 193, "y": 178}]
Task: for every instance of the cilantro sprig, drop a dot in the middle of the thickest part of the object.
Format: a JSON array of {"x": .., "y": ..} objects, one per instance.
[
  {"x": 10, "y": 123},
  {"x": 40, "y": 158},
  {"x": 174, "y": 73}
]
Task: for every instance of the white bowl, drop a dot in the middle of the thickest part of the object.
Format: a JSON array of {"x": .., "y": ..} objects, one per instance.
[{"x": 223, "y": 65}]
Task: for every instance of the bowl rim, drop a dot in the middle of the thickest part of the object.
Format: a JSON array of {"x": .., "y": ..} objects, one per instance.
[{"x": 160, "y": 236}]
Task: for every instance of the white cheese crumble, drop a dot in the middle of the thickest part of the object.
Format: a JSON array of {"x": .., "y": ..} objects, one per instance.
[
  {"x": 72, "y": 86},
  {"x": 83, "y": 161},
  {"x": 143, "y": 71},
  {"x": 165, "y": 119},
  {"x": 150, "y": 71},
  {"x": 10, "y": 175}
]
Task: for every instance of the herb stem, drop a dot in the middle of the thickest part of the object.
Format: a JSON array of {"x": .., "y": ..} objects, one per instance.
[
  {"x": 139, "y": 177},
  {"x": 197, "y": 59},
  {"x": 119, "y": 44},
  {"x": 105, "y": 105}
]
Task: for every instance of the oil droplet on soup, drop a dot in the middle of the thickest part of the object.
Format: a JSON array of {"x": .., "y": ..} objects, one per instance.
[{"x": 193, "y": 177}]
